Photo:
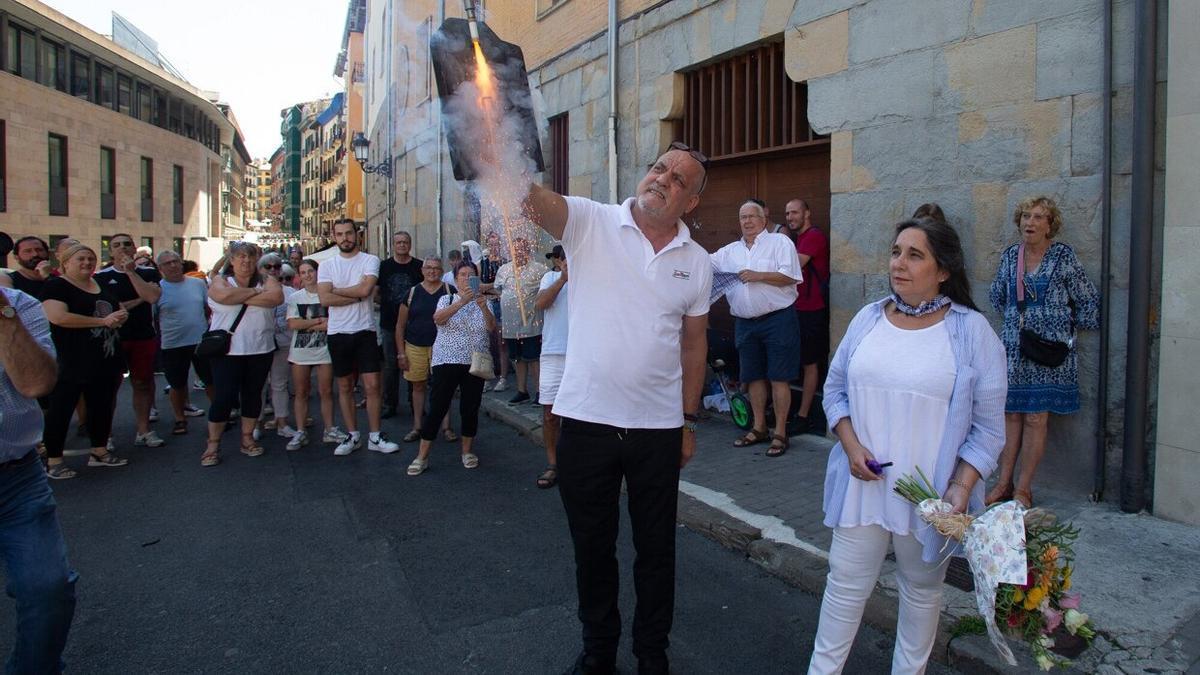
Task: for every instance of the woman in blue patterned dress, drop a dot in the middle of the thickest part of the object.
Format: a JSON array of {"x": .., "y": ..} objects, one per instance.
[{"x": 1059, "y": 300}]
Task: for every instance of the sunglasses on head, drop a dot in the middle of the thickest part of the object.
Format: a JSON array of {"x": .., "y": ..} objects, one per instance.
[
  {"x": 272, "y": 266},
  {"x": 694, "y": 154}
]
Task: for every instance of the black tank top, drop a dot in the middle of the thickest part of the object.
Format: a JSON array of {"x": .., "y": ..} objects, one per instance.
[{"x": 421, "y": 331}]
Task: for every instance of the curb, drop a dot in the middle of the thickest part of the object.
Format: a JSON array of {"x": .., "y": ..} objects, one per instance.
[{"x": 805, "y": 567}]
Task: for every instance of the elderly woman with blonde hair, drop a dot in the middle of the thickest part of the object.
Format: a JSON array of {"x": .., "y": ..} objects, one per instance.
[{"x": 1044, "y": 295}]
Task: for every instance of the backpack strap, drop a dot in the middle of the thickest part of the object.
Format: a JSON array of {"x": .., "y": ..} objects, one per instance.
[{"x": 238, "y": 320}]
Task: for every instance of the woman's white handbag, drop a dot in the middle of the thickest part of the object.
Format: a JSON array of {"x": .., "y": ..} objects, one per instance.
[{"x": 482, "y": 366}]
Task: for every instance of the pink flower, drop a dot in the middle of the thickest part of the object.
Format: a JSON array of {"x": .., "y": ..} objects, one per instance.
[
  {"x": 1069, "y": 601},
  {"x": 1053, "y": 618}
]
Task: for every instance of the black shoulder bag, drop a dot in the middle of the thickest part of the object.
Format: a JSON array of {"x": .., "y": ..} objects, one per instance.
[
  {"x": 1049, "y": 353},
  {"x": 217, "y": 342}
]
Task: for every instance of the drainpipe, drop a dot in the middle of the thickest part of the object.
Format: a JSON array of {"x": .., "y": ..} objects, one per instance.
[
  {"x": 1100, "y": 458},
  {"x": 613, "y": 196},
  {"x": 1141, "y": 219}
]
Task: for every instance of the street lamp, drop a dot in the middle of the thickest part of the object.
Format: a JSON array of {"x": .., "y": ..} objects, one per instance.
[{"x": 362, "y": 149}]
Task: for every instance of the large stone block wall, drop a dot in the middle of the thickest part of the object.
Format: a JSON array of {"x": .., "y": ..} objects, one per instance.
[{"x": 31, "y": 111}]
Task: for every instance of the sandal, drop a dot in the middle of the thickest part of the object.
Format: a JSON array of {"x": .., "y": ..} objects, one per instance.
[
  {"x": 411, "y": 436},
  {"x": 418, "y": 467},
  {"x": 549, "y": 477},
  {"x": 779, "y": 446},
  {"x": 107, "y": 459},
  {"x": 449, "y": 435},
  {"x": 754, "y": 437},
  {"x": 210, "y": 458},
  {"x": 179, "y": 428},
  {"x": 470, "y": 461},
  {"x": 251, "y": 450},
  {"x": 1023, "y": 497},
  {"x": 999, "y": 493},
  {"x": 60, "y": 471}
]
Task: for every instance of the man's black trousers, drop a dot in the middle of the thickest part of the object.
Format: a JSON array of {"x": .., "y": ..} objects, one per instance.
[{"x": 592, "y": 460}]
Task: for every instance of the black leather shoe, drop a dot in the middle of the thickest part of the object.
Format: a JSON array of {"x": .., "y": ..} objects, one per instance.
[{"x": 588, "y": 664}]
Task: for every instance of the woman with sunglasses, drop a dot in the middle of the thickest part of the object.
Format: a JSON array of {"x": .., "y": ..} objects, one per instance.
[
  {"x": 272, "y": 265},
  {"x": 240, "y": 374}
]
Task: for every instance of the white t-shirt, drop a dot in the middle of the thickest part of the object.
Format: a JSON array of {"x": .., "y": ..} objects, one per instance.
[
  {"x": 309, "y": 347},
  {"x": 622, "y": 366},
  {"x": 345, "y": 272},
  {"x": 256, "y": 332},
  {"x": 554, "y": 319},
  {"x": 899, "y": 384},
  {"x": 771, "y": 253}
]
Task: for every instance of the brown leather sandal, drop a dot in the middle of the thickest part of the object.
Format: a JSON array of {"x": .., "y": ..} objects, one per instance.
[
  {"x": 753, "y": 437},
  {"x": 779, "y": 446}
]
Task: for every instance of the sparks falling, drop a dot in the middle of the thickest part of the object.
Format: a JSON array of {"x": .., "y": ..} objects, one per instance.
[{"x": 486, "y": 84}]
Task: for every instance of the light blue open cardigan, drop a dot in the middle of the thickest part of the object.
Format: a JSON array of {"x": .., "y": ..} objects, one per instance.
[{"x": 974, "y": 422}]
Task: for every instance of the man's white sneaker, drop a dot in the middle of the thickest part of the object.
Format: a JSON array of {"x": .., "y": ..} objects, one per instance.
[
  {"x": 501, "y": 385},
  {"x": 299, "y": 440},
  {"x": 190, "y": 410},
  {"x": 149, "y": 440},
  {"x": 348, "y": 446},
  {"x": 380, "y": 443},
  {"x": 334, "y": 435},
  {"x": 285, "y": 431}
]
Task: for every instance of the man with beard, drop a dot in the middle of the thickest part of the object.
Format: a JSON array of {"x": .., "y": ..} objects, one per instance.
[
  {"x": 33, "y": 258},
  {"x": 397, "y": 275},
  {"x": 345, "y": 284},
  {"x": 644, "y": 285}
]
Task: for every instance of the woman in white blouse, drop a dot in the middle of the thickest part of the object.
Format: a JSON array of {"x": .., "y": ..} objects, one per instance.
[
  {"x": 239, "y": 376},
  {"x": 464, "y": 323},
  {"x": 919, "y": 380}
]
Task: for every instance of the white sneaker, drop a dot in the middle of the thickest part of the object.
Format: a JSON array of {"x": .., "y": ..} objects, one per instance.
[
  {"x": 381, "y": 444},
  {"x": 153, "y": 414},
  {"x": 285, "y": 431},
  {"x": 334, "y": 435},
  {"x": 348, "y": 446},
  {"x": 198, "y": 385},
  {"x": 149, "y": 440},
  {"x": 190, "y": 410},
  {"x": 299, "y": 440},
  {"x": 501, "y": 385}
]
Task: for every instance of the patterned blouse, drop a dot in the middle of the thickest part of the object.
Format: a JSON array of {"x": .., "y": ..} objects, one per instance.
[
  {"x": 464, "y": 333},
  {"x": 1059, "y": 300}
]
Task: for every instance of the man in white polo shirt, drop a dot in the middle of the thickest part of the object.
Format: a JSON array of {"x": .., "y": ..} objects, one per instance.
[
  {"x": 631, "y": 385},
  {"x": 765, "y": 328},
  {"x": 345, "y": 284}
]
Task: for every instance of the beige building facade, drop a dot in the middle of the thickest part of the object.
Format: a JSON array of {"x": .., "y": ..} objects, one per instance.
[
  {"x": 867, "y": 109},
  {"x": 97, "y": 140}
]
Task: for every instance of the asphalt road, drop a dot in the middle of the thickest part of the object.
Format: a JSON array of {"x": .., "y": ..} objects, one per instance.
[{"x": 305, "y": 562}]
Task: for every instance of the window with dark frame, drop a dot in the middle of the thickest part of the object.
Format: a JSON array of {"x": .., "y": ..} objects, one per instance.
[
  {"x": 147, "y": 191},
  {"x": 54, "y": 239},
  {"x": 54, "y": 65},
  {"x": 106, "y": 85},
  {"x": 145, "y": 102},
  {"x": 108, "y": 183},
  {"x": 57, "y": 174},
  {"x": 177, "y": 194},
  {"x": 81, "y": 76},
  {"x": 560, "y": 163},
  {"x": 124, "y": 94},
  {"x": 22, "y": 52},
  {"x": 3, "y": 169},
  {"x": 148, "y": 241},
  {"x": 177, "y": 245}
]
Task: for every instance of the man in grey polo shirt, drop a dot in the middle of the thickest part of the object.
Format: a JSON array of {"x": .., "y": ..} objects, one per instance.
[
  {"x": 31, "y": 541},
  {"x": 638, "y": 298}
]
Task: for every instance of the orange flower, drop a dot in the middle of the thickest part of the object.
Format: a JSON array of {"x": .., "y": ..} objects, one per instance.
[
  {"x": 1034, "y": 597},
  {"x": 1050, "y": 554}
]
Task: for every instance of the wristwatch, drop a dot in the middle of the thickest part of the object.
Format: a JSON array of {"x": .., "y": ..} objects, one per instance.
[
  {"x": 689, "y": 422},
  {"x": 8, "y": 312}
]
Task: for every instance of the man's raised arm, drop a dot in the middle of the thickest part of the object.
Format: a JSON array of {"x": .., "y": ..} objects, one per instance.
[{"x": 548, "y": 209}]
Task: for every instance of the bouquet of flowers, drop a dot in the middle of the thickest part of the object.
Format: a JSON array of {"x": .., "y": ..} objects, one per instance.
[{"x": 1022, "y": 561}]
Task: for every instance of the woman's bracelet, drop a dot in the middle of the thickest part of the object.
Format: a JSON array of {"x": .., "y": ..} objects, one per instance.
[{"x": 959, "y": 483}]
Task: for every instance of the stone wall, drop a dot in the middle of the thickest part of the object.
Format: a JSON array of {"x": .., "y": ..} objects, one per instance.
[
  {"x": 1177, "y": 456},
  {"x": 31, "y": 111}
]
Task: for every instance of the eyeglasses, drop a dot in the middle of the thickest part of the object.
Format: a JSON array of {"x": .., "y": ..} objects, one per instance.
[
  {"x": 696, "y": 155},
  {"x": 120, "y": 244},
  {"x": 272, "y": 266}
]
